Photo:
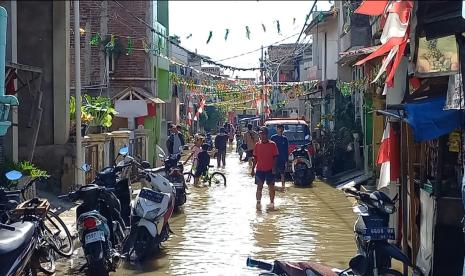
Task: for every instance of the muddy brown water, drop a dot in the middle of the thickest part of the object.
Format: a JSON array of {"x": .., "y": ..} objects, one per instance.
[{"x": 219, "y": 227}]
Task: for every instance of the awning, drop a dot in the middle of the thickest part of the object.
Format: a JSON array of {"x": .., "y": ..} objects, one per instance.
[
  {"x": 350, "y": 57},
  {"x": 137, "y": 93},
  {"x": 429, "y": 120}
]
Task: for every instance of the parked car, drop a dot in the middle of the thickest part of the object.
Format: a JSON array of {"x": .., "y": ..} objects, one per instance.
[{"x": 296, "y": 131}]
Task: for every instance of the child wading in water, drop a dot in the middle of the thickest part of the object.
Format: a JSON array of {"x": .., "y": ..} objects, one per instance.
[
  {"x": 203, "y": 160},
  {"x": 196, "y": 149}
]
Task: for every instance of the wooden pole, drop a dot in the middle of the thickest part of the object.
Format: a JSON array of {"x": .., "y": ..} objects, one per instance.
[
  {"x": 413, "y": 195},
  {"x": 403, "y": 191}
]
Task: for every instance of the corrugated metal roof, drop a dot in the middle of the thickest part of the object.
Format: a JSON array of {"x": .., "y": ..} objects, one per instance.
[{"x": 352, "y": 56}]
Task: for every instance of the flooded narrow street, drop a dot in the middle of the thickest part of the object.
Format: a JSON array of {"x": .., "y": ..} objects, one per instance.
[{"x": 219, "y": 227}]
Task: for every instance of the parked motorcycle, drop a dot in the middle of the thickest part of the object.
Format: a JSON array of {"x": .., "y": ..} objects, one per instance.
[
  {"x": 118, "y": 177},
  {"x": 150, "y": 214},
  {"x": 303, "y": 172},
  {"x": 372, "y": 232},
  {"x": 174, "y": 173},
  {"x": 282, "y": 268},
  {"x": 100, "y": 226},
  {"x": 24, "y": 247}
]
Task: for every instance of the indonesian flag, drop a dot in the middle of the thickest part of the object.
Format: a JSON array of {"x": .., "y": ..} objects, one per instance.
[
  {"x": 388, "y": 157},
  {"x": 395, "y": 34},
  {"x": 190, "y": 110}
]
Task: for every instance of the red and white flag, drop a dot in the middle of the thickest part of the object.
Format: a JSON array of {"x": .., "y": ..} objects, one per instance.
[{"x": 388, "y": 157}]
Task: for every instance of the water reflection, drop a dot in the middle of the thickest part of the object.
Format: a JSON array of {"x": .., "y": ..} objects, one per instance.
[{"x": 220, "y": 227}]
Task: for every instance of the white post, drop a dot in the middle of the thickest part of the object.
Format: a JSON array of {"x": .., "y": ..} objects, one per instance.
[{"x": 77, "y": 63}]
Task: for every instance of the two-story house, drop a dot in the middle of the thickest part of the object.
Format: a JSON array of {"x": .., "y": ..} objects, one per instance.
[{"x": 125, "y": 74}]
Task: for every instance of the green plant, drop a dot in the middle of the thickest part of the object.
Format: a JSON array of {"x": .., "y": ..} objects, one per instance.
[
  {"x": 85, "y": 117},
  {"x": 101, "y": 110},
  {"x": 25, "y": 167}
]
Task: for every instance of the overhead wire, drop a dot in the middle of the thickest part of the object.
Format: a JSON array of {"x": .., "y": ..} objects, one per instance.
[
  {"x": 169, "y": 39},
  {"x": 305, "y": 24}
]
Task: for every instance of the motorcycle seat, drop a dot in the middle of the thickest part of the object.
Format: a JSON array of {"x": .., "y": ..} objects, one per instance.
[
  {"x": 11, "y": 240},
  {"x": 13, "y": 243}
]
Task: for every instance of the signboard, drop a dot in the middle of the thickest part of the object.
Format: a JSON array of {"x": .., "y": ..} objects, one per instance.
[
  {"x": 437, "y": 57},
  {"x": 131, "y": 108}
]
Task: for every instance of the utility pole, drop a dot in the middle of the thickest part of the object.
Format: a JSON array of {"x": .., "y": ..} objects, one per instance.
[{"x": 77, "y": 62}]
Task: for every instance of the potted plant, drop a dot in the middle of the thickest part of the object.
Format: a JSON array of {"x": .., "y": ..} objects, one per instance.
[
  {"x": 29, "y": 171},
  {"x": 101, "y": 112},
  {"x": 86, "y": 118}
]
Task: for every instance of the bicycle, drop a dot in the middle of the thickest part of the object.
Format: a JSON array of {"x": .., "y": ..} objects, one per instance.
[
  {"x": 216, "y": 178},
  {"x": 54, "y": 236}
]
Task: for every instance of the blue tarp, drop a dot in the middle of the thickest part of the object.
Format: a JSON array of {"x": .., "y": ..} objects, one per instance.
[{"x": 429, "y": 120}]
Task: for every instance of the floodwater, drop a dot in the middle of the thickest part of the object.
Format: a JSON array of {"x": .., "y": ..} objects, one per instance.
[{"x": 219, "y": 227}]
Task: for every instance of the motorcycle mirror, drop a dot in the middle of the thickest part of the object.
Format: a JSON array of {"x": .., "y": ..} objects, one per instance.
[
  {"x": 358, "y": 264},
  {"x": 85, "y": 167},
  {"x": 13, "y": 175},
  {"x": 123, "y": 151},
  {"x": 145, "y": 164}
]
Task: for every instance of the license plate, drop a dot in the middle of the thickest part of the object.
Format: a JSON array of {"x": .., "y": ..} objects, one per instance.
[
  {"x": 151, "y": 195},
  {"x": 379, "y": 233},
  {"x": 94, "y": 237}
]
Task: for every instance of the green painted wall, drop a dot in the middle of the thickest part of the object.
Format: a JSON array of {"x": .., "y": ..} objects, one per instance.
[
  {"x": 369, "y": 129},
  {"x": 163, "y": 13},
  {"x": 163, "y": 84}
]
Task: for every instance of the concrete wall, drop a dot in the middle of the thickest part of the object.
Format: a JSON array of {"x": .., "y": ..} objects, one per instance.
[
  {"x": 325, "y": 55},
  {"x": 35, "y": 47}
]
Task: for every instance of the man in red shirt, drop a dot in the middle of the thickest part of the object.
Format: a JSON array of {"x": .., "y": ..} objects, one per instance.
[{"x": 265, "y": 154}]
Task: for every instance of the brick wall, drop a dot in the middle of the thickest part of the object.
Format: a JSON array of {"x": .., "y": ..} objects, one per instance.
[{"x": 106, "y": 18}]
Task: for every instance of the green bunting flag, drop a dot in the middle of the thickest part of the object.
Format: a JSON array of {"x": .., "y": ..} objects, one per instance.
[
  {"x": 209, "y": 37},
  {"x": 189, "y": 36},
  {"x": 293, "y": 21},
  {"x": 264, "y": 28},
  {"x": 226, "y": 35},
  {"x": 307, "y": 17},
  {"x": 130, "y": 48},
  {"x": 278, "y": 26},
  {"x": 95, "y": 40},
  {"x": 247, "y": 32}
]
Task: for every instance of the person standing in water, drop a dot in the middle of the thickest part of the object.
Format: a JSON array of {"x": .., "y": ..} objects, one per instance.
[
  {"x": 221, "y": 141},
  {"x": 283, "y": 149},
  {"x": 250, "y": 138},
  {"x": 265, "y": 154}
]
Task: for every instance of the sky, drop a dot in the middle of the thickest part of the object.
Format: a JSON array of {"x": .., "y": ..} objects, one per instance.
[{"x": 200, "y": 17}]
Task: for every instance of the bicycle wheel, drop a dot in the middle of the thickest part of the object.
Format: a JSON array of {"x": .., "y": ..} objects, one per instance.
[
  {"x": 57, "y": 235},
  {"x": 46, "y": 260},
  {"x": 188, "y": 178},
  {"x": 217, "y": 178}
]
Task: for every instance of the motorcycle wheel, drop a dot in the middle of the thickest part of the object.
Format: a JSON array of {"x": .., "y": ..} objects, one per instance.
[
  {"x": 390, "y": 272},
  {"x": 143, "y": 243},
  {"x": 97, "y": 268}
]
